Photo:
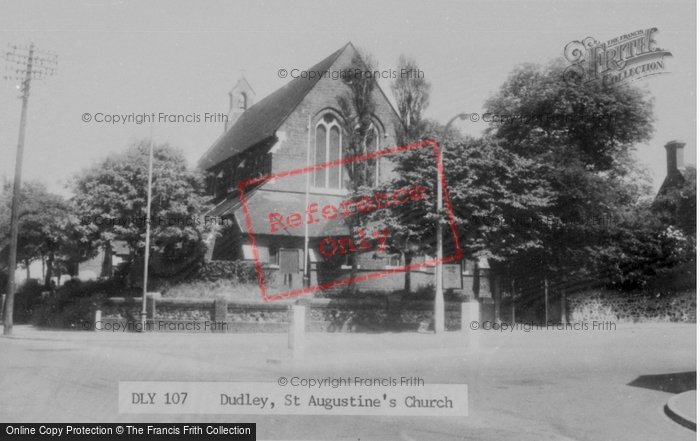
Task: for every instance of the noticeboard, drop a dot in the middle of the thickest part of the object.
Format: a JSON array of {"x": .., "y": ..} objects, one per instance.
[
  {"x": 452, "y": 276},
  {"x": 289, "y": 261}
]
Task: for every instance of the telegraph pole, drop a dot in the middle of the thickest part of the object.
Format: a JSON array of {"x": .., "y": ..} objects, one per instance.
[{"x": 29, "y": 64}]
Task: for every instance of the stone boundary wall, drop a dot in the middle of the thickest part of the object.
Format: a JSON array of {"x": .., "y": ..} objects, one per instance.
[
  {"x": 378, "y": 314},
  {"x": 633, "y": 308}
]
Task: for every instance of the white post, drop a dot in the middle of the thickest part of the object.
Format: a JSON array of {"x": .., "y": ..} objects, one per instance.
[
  {"x": 546, "y": 301},
  {"x": 471, "y": 322},
  {"x": 439, "y": 295},
  {"x": 296, "y": 331},
  {"x": 98, "y": 319},
  {"x": 307, "y": 274},
  {"x": 148, "y": 233}
]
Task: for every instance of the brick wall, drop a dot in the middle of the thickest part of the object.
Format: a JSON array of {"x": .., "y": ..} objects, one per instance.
[{"x": 323, "y": 98}]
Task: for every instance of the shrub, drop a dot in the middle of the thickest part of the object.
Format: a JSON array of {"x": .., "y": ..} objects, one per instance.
[
  {"x": 76, "y": 301},
  {"x": 229, "y": 270},
  {"x": 27, "y": 299}
]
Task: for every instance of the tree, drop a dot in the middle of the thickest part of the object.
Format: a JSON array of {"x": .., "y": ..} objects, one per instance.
[
  {"x": 492, "y": 190},
  {"x": 677, "y": 205},
  {"x": 583, "y": 137},
  {"x": 111, "y": 196},
  {"x": 357, "y": 107},
  {"x": 643, "y": 245},
  {"x": 46, "y": 229},
  {"x": 412, "y": 96},
  {"x": 655, "y": 237}
]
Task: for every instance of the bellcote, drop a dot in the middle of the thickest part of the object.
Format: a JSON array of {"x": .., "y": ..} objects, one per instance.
[{"x": 241, "y": 98}]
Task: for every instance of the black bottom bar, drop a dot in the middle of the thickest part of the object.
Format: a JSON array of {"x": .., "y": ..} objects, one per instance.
[{"x": 127, "y": 432}]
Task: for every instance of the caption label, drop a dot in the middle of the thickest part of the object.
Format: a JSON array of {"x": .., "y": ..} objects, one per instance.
[{"x": 272, "y": 399}]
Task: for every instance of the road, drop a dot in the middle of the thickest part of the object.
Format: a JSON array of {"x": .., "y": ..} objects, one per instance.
[{"x": 537, "y": 385}]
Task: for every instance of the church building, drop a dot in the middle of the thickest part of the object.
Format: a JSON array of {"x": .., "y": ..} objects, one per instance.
[{"x": 271, "y": 136}]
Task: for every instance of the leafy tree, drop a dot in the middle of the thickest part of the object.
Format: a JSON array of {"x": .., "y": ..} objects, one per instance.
[
  {"x": 595, "y": 125},
  {"x": 492, "y": 190},
  {"x": 357, "y": 106},
  {"x": 654, "y": 237},
  {"x": 46, "y": 230},
  {"x": 412, "y": 96},
  {"x": 677, "y": 205},
  {"x": 643, "y": 245},
  {"x": 582, "y": 136},
  {"x": 112, "y": 196}
]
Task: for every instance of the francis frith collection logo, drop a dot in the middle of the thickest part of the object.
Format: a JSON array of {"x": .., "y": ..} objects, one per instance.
[{"x": 621, "y": 60}]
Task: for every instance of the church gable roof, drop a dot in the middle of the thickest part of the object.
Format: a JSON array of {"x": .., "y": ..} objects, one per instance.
[{"x": 263, "y": 119}]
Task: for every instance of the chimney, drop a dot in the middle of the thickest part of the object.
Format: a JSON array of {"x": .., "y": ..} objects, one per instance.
[{"x": 674, "y": 157}]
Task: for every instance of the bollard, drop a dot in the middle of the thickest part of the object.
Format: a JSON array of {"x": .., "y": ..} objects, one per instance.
[
  {"x": 151, "y": 299},
  {"x": 98, "y": 319},
  {"x": 471, "y": 322},
  {"x": 296, "y": 330},
  {"x": 218, "y": 316}
]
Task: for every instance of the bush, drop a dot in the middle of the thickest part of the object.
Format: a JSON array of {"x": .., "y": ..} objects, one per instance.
[
  {"x": 62, "y": 311},
  {"x": 76, "y": 301},
  {"x": 27, "y": 299},
  {"x": 111, "y": 288},
  {"x": 239, "y": 271},
  {"x": 423, "y": 293}
]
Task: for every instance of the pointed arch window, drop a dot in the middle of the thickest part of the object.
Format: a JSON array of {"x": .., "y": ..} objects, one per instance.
[
  {"x": 372, "y": 145},
  {"x": 328, "y": 146},
  {"x": 242, "y": 101}
]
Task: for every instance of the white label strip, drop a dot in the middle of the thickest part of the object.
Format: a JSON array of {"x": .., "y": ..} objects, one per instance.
[{"x": 273, "y": 399}]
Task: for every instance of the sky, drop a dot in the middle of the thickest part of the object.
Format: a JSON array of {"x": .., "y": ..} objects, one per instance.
[{"x": 182, "y": 57}]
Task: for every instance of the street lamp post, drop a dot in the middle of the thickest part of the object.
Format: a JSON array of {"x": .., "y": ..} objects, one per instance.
[
  {"x": 439, "y": 295},
  {"x": 144, "y": 311}
]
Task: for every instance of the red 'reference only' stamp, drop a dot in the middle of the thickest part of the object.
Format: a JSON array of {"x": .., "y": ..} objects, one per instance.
[{"x": 278, "y": 222}]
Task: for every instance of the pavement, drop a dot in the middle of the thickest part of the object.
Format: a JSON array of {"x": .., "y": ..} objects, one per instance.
[
  {"x": 537, "y": 385},
  {"x": 683, "y": 409}
]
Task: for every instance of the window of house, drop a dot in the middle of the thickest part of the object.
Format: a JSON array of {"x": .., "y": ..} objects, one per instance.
[
  {"x": 394, "y": 261},
  {"x": 468, "y": 267},
  {"x": 263, "y": 253},
  {"x": 242, "y": 101},
  {"x": 248, "y": 252}
]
